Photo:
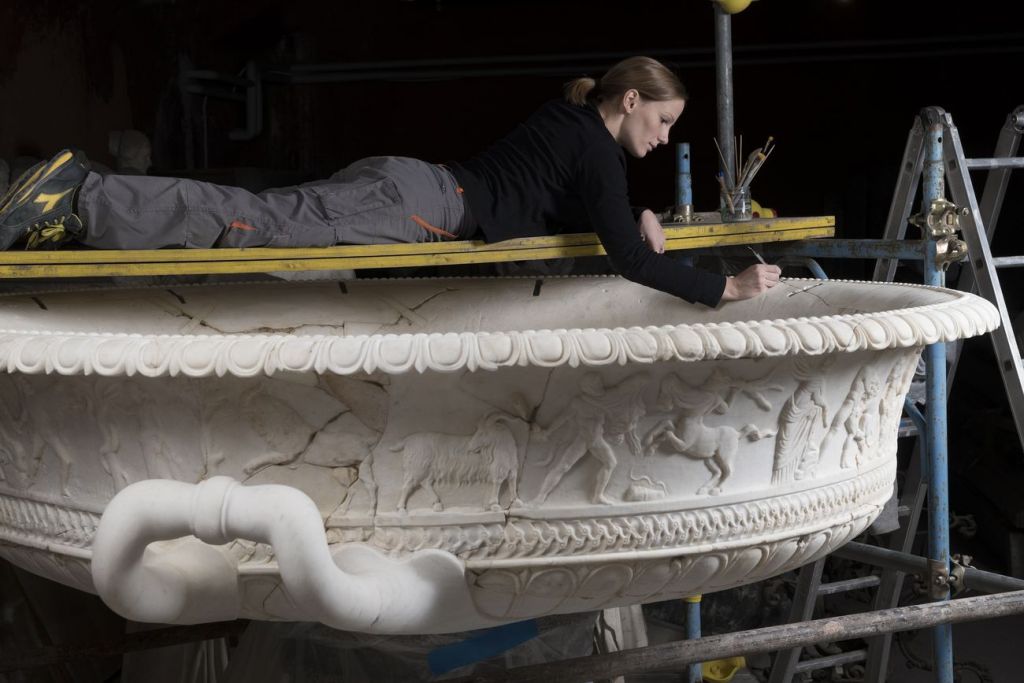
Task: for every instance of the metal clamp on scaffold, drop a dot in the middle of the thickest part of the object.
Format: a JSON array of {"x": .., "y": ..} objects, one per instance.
[
  {"x": 959, "y": 564},
  {"x": 942, "y": 223},
  {"x": 938, "y": 580}
]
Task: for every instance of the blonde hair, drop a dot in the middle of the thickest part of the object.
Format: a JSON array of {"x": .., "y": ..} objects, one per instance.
[{"x": 649, "y": 77}]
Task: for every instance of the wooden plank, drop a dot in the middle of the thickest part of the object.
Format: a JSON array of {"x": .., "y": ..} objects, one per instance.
[
  {"x": 193, "y": 266},
  {"x": 673, "y": 231},
  {"x": 675, "y": 655}
]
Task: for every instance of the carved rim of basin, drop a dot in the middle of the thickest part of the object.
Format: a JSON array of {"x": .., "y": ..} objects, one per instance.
[{"x": 449, "y": 324}]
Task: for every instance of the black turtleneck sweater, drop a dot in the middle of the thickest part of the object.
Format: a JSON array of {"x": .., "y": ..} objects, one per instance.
[{"x": 562, "y": 171}]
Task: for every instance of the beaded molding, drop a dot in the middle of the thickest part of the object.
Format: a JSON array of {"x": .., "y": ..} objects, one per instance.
[{"x": 247, "y": 355}]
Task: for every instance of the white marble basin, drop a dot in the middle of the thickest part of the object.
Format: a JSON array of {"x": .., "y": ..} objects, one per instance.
[{"x": 476, "y": 451}]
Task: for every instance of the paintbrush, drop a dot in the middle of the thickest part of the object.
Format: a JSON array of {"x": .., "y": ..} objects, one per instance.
[
  {"x": 725, "y": 192},
  {"x": 751, "y": 160},
  {"x": 721, "y": 157},
  {"x": 755, "y": 168},
  {"x": 739, "y": 156}
]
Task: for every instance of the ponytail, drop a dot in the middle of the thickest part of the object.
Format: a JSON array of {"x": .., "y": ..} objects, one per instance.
[
  {"x": 578, "y": 91},
  {"x": 652, "y": 79}
]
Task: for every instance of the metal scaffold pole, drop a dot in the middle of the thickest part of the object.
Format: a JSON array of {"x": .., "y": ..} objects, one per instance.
[
  {"x": 723, "y": 89},
  {"x": 676, "y": 655},
  {"x": 933, "y": 188}
]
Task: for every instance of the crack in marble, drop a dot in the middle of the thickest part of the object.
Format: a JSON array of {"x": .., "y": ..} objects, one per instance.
[
  {"x": 543, "y": 394},
  {"x": 291, "y": 330},
  {"x": 819, "y": 298},
  {"x": 298, "y": 455},
  {"x": 430, "y": 298},
  {"x": 194, "y": 320},
  {"x": 278, "y": 588},
  {"x": 408, "y": 313},
  {"x": 203, "y": 323},
  {"x": 177, "y": 296},
  {"x": 403, "y": 311}
]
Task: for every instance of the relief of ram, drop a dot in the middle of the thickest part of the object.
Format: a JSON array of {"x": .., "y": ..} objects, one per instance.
[{"x": 488, "y": 456}]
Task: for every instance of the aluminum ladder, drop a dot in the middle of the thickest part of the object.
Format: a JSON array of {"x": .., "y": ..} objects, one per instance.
[
  {"x": 976, "y": 222},
  {"x": 941, "y": 219},
  {"x": 809, "y": 587}
]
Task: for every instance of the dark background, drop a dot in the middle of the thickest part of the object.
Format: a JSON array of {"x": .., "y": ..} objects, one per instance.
[{"x": 837, "y": 82}]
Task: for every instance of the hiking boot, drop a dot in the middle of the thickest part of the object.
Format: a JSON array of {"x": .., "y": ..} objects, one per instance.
[
  {"x": 18, "y": 183},
  {"x": 39, "y": 206}
]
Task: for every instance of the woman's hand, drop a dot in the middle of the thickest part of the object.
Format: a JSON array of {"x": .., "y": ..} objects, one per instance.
[
  {"x": 651, "y": 231},
  {"x": 755, "y": 280}
]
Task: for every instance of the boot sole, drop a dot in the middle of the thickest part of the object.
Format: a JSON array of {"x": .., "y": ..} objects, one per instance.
[
  {"x": 26, "y": 178},
  {"x": 37, "y": 175}
]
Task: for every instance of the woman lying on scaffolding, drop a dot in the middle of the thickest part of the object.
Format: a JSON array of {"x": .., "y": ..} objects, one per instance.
[{"x": 565, "y": 165}]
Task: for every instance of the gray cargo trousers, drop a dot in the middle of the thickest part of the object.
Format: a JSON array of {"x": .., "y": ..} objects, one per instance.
[{"x": 379, "y": 200}]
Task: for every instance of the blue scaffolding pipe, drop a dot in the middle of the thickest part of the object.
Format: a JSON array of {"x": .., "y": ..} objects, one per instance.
[
  {"x": 695, "y": 672},
  {"x": 932, "y": 188},
  {"x": 933, "y": 425},
  {"x": 915, "y": 415},
  {"x": 804, "y": 261},
  {"x": 684, "y": 183}
]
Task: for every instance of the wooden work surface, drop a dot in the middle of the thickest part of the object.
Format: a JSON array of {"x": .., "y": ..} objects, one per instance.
[{"x": 92, "y": 263}]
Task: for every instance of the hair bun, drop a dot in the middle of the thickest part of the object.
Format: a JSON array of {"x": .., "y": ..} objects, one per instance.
[{"x": 577, "y": 91}]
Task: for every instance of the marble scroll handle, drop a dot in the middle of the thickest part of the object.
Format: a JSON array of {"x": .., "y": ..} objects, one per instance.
[{"x": 358, "y": 589}]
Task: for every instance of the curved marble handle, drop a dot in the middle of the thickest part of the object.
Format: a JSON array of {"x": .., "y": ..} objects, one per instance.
[{"x": 359, "y": 589}]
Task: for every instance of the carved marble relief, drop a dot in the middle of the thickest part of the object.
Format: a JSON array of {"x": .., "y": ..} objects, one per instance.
[
  {"x": 317, "y": 431},
  {"x": 891, "y": 404},
  {"x": 687, "y": 434},
  {"x": 856, "y": 424},
  {"x": 643, "y": 488},
  {"x": 803, "y": 418},
  {"x": 274, "y": 432},
  {"x": 143, "y": 427},
  {"x": 21, "y": 446},
  {"x": 518, "y": 593},
  {"x": 46, "y": 412},
  {"x": 760, "y": 433},
  {"x": 594, "y": 419},
  {"x": 490, "y": 456}
]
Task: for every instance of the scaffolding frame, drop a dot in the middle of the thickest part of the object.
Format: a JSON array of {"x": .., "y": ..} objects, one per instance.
[
  {"x": 936, "y": 250},
  {"x": 81, "y": 263}
]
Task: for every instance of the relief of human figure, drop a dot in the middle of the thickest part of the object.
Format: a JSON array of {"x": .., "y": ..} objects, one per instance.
[
  {"x": 891, "y": 405},
  {"x": 686, "y": 432},
  {"x": 21, "y": 447},
  {"x": 797, "y": 447},
  {"x": 597, "y": 416},
  {"x": 854, "y": 422},
  {"x": 46, "y": 411}
]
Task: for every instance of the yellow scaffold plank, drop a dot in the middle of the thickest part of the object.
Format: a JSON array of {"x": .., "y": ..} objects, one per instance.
[{"x": 94, "y": 263}]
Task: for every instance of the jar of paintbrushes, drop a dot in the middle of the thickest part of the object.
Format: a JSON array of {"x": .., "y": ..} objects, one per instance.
[
  {"x": 734, "y": 192},
  {"x": 735, "y": 204}
]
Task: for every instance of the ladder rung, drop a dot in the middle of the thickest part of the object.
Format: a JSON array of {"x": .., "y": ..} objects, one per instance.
[
  {"x": 907, "y": 428},
  {"x": 1007, "y": 261},
  {"x": 832, "y": 660},
  {"x": 848, "y": 585},
  {"x": 997, "y": 162}
]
